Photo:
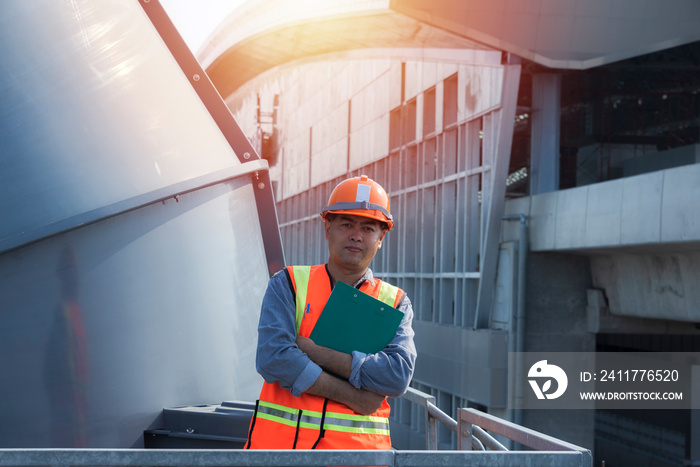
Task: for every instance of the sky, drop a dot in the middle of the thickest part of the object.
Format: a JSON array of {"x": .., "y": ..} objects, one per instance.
[{"x": 196, "y": 19}]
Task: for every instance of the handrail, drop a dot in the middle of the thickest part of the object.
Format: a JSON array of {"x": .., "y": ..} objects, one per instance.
[
  {"x": 517, "y": 433},
  {"x": 488, "y": 440},
  {"x": 422, "y": 399},
  {"x": 480, "y": 439},
  {"x": 471, "y": 424},
  {"x": 290, "y": 458}
]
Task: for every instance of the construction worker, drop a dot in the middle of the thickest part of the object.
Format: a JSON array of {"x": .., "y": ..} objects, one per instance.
[{"x": 314, "y": 397}]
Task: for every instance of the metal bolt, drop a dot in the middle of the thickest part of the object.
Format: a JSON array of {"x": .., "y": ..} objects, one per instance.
[
  {"x": 261, "y": 185},
  {"x": 196, "y": 77},
  {"x": 190, "y": 430},
  {"x": 246, "y": 155}
]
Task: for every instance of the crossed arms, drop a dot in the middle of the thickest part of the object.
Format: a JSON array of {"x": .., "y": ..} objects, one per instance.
[{"x": 362, "y": 401}]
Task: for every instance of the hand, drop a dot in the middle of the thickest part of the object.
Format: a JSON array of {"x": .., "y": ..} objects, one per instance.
[
  {"x": 360, "y": 401},
  {"x": 366, "y": 402},
  {"x": 305, "y": 344}
]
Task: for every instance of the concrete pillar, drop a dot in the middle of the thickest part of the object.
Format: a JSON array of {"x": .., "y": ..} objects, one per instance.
[
  {"x": 556, "y": 321},
  {"x": 694, "y": 435},
  {"x": 544, "y": 145}
]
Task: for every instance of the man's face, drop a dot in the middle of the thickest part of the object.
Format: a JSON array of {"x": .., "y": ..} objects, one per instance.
[{"x": 353, "y": 240}]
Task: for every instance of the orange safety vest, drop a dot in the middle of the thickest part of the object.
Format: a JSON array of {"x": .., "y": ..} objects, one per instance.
[{"x": 283, "y": 421}]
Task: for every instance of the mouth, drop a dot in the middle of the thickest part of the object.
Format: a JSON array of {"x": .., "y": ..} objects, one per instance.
[{"x": 353, "y": 249}]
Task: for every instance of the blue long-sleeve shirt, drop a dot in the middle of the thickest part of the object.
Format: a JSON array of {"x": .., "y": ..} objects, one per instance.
[{"x": 278, "y": 358}]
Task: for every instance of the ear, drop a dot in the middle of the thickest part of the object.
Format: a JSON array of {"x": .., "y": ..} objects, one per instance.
[
  {"x": 326, "y": 226},
  {"x": 381, "y": 239}
]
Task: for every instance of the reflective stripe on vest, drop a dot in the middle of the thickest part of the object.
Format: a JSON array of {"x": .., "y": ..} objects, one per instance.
[
  {"x": 334, "y": 421},
  {"x": 388, "y": 294},
  {"x": 301, "y": 276}
]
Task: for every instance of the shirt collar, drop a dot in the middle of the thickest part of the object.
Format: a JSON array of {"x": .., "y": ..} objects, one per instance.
[{"x": 369, "y": 276}]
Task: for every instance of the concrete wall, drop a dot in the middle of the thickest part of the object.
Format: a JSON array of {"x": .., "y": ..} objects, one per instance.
[
  {"x": 650, "y": 284},
  {"x": 642, "y": 234},
  {"x": 654, "y": 208}
]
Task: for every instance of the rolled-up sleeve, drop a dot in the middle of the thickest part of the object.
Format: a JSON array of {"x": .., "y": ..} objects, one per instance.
[
  {"x": 388, "y": 372},
  {"x": 278, "y": 359}
]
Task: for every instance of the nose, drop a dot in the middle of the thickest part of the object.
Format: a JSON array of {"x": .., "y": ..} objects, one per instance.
[{"x": 355, "y": 235}]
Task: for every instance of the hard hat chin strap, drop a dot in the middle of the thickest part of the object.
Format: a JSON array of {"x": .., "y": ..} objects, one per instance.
[{"x": 344, "y": 206}]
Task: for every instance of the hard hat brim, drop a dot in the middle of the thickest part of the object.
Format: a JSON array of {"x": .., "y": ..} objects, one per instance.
[{"x": 371, "y": 214}]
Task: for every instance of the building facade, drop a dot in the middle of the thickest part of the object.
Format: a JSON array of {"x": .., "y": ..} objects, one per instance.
[{"x": 541, "y": 159}]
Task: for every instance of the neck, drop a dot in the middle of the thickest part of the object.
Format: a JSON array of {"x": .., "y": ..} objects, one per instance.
[{"x": 350, "y": 277}]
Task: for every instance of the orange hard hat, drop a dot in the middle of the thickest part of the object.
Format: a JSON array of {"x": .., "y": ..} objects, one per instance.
[{"x": 360, "y": 196}]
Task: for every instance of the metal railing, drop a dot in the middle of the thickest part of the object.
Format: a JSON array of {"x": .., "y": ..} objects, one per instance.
[
  {"x": 479, "y": 439},
  {"x": 471, "y": 426},
  {"x": 225, "y": 457}
]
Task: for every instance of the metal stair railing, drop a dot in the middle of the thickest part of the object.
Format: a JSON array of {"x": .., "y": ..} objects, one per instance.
[
  {"x": 471, "y": 426},
  {"x": 480, "y": 439}
]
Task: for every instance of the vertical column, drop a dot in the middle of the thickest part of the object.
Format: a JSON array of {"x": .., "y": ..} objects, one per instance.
[
  {"x": 498, "y": 139},
  {"x": 544, "y": 146},
  {"x": 694, "y": 435}
]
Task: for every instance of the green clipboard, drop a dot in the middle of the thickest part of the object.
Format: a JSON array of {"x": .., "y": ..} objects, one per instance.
[{"x": 353, "y": 320}]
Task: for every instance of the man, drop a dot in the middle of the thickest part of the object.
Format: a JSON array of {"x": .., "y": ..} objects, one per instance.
[{"x": 315, "y": 397}]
